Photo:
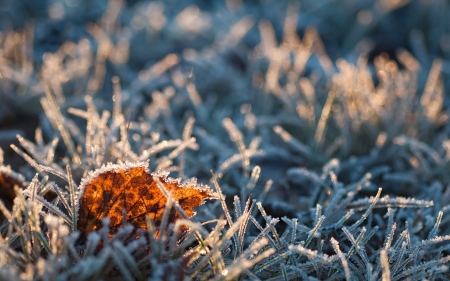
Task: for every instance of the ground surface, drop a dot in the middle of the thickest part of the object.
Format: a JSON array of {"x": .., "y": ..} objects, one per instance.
[{"x": 325, "y": 100}]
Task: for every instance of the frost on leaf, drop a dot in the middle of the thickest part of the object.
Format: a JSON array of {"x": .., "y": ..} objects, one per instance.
[{"x": 130, "y": 189}]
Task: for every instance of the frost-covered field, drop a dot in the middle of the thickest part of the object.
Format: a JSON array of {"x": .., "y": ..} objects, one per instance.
[{"x": 322, "y": 126}]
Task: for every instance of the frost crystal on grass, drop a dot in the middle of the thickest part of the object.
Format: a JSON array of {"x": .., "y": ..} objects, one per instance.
[{"x": 297, "y": 143}]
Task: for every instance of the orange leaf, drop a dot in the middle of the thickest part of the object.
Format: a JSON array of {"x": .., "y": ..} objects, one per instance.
[{"x": 107, "y": 191}]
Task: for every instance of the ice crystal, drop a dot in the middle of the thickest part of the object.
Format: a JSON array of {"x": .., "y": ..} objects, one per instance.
[{"x": 325, "y": 168}]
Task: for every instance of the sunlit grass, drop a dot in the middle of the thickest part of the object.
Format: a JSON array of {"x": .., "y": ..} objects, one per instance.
[{"x": 335, "y": 169}]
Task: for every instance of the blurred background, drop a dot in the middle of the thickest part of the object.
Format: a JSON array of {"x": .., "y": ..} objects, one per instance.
[{"x": 346, "y": 27}]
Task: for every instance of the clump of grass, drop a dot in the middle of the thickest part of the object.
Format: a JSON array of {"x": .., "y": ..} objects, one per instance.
[{"x": 326, "y": 168}]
